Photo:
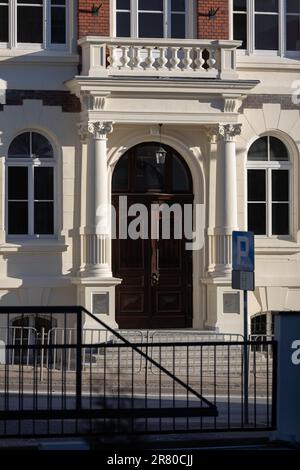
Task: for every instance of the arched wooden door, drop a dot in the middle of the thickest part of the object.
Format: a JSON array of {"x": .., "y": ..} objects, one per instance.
[{"x": 156, "y": 291}]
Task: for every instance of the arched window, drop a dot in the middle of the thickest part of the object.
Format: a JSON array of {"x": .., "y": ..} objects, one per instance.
[
  {"x": 139, "y": 171},
  {"x": 30, "y": 186},
  {"x": 269, "y": 169}
]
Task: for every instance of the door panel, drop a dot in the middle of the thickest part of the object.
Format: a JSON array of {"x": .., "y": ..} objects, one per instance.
[{"x": 156, "y": 291}]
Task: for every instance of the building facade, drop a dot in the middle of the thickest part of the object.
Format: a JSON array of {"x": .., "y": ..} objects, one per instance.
[{"x": 185, "y": 102}]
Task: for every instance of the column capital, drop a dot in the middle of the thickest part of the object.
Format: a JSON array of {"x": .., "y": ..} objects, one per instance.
[
  {"x": 83, "y": 131},
  {"x": 100, "y": 129},
  {"x": 228, "y": 132}
]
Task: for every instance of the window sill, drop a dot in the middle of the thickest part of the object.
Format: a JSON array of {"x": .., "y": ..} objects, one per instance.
[
  {"x": 33, "y": 54},
  {"x": 33, "y": 246},
  {"x": 267, "y": 61},
  {"x": 274, "y": 245}
]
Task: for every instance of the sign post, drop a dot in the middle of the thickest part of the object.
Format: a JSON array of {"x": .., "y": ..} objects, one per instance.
[{"x": 243, "y": 279}]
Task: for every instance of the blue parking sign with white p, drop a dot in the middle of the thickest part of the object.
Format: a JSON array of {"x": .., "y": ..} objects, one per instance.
[{"x": 243, "y": 251}]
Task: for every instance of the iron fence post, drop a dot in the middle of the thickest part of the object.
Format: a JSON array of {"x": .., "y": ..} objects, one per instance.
[
  {"x": 79, "y": 361},
  {"x": 274, "y": 384}
]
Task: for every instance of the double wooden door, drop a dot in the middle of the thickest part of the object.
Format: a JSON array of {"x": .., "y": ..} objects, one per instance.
[{"x": 156, "y": 291}]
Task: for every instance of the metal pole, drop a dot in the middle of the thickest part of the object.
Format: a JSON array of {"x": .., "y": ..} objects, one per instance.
[
  {"x": 79, "y": 361},
  {"x": 246, "y": 363}
]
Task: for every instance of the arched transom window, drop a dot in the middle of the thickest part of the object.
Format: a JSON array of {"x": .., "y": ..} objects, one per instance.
[
  {"x": 269, "y": 173},
  {"x": 30, "y": 186}
]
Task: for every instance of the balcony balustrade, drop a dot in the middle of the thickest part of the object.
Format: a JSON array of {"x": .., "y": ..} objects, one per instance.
[{"x": 107, "y": 57}]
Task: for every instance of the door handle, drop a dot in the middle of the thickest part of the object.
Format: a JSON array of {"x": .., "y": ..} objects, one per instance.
[
  {"x": 155, "y": 279},
  {"x": 155, "y": 263}
]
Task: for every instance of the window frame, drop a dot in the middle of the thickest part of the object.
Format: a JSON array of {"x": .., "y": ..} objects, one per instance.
[
  {"x": 268, "y": 166},
  {"x": 190, "y": 19},
  {"x": 46, "y": 44},
  {"x": 32, "y": 163},
  {"x": 282, "y": 39}
]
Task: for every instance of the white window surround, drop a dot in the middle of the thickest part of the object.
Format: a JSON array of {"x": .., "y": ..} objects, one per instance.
[
  {"x": 191, "y": 18},
  {"x": 269, "y": 166},
  {"x": 13, "y": 48},
  {"x": 251, "y": 51},
  {"x": 13, "y": 241}
]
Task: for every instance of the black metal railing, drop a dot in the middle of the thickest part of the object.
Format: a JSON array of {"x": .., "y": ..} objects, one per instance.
[{"x": 115, "y": 386}]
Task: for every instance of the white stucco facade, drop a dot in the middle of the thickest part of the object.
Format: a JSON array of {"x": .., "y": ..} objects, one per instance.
[{"x": 205, "y": 118}]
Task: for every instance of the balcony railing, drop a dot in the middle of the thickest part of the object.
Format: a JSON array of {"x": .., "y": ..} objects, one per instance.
[{"x": 104, "y": 57}]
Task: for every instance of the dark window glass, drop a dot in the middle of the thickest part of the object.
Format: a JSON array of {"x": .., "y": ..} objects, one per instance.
[
  {"x": 30, "y": 24},
  {"x": 256, "y": 185},
  {"x": 280, "y": 219},
  {"x": 180, "y": 177},
  {"x": 120, "y": 175},
  {"x": 151, "y": 25},
  {"x": 58, "y": 25},
  {"x": 17, "y": 218},
  {"x": 266, "y": 5},
  {"x": 41, "y": 146},
  {"x": 123, "y": 4},
  {"x": 123, "y": 24},
  {"x": 149, "y": 174},
  {"x": 34, "y": 2},
  {"x": 17, "y": 183},
  {"x": 43, "y": 183},
  {"x": 240, "y": 5},
  {"x": 259, "y": 150},
  {"x": 278, "y": 151},
  {"x": 240, "y": 29},
  {"x": 292, "y": 33},
  {"x": 257, "y": 218},
  {"x": 293, "y": 6},
  {"x": 153, "y": 5},
  {"x": 3, "y": 23},
  {"x": 280, "y": 185},
  {"x": 178, "y": 26},
  {"x": 266, "y": 32},
  {"x": 43, "y": 218},
  {"x": 58, "y": 2},
  {"x": 178, "y": 5},
  {"x": 20, "y": 146}
]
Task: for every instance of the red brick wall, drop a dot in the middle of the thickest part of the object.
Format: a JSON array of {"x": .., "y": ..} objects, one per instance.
[
  {"x": 93, "y": 25},
  {"x": 217, "y": 28}
]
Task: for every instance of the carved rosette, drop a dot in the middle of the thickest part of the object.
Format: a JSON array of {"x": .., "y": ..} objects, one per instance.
[{"x": 100, "y": 129}]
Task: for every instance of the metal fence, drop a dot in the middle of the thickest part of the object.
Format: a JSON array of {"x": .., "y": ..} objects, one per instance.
[{"x": 76, "y": 383}]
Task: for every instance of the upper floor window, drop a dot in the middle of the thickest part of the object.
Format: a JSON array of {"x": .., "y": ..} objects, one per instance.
[
  {"x": 270, "y": 25},
  {"x": 30, "y": 186},
  {"x": 269, "y": 171},
  {"x": 33, "y": 22},
  {"x": 151, "y": 19}
]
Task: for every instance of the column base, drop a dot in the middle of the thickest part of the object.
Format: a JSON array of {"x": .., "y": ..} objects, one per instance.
[
  {"x": 98, "y": 297},
  {"x": 96, "y": 271}
]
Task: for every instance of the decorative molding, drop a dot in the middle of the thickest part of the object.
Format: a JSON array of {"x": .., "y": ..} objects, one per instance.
[
  {"x": 229, "y": 131},
  {"x": 211, "y": 133},
  {"x": 94, "y": 102},
  {"x": 232, "y": 102},
  {"x": 83, "y": 132},
  {"x": 100, "y": 129}
]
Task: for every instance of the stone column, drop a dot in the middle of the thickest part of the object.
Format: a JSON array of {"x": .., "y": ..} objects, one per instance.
[
  {"x": 96, "y": 234},
  {"x": 226, "y": 197}
]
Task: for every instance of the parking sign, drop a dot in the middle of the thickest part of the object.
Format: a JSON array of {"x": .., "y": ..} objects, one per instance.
[{"x": 243, "y": 251}]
